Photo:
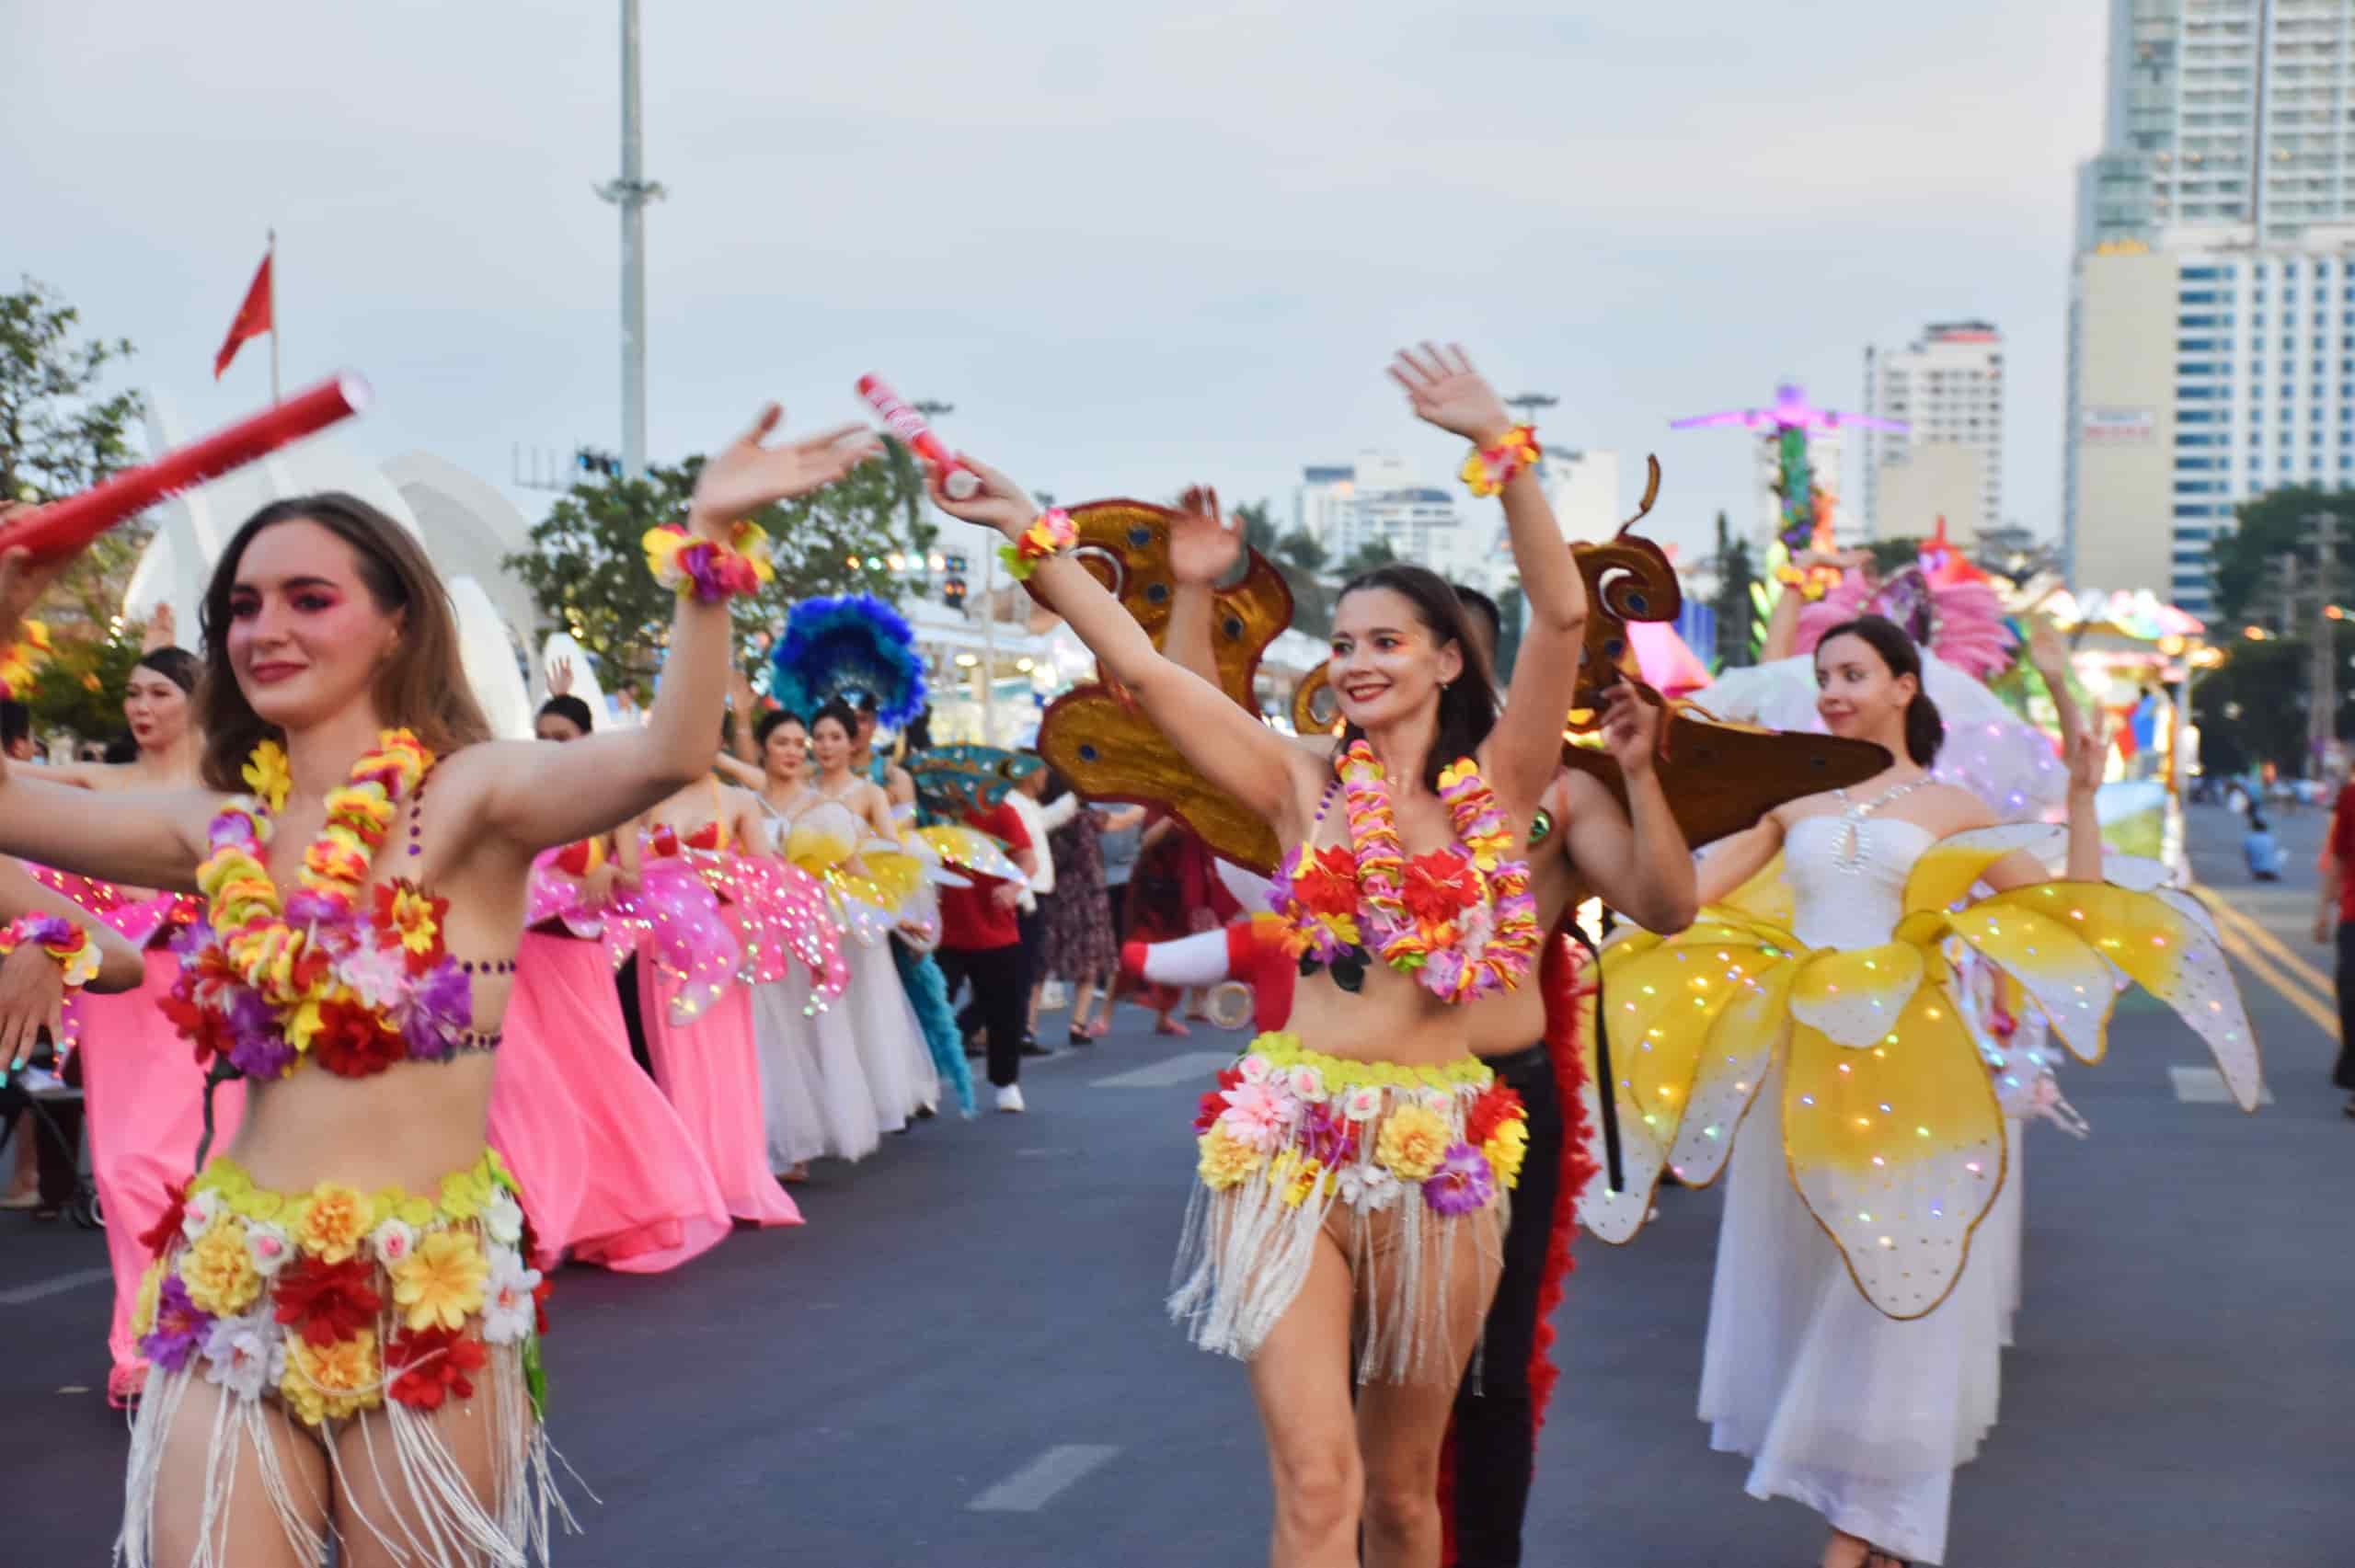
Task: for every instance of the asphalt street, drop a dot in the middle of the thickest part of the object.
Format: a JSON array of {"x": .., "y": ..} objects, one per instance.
[{"x": 962, "y": 1359}]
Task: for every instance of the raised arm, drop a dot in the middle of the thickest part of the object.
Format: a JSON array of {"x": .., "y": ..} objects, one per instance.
[
  {"x": 151, "y": 837},
  {"x": 1203, "y": 547},
  {"x": 1734, "y": 860},
  {"x": 1526, "y": 746},
  {"x": 536, "y": 796},
  {"x": 1636, "y": 861},
  {"x": 2049, "y": 652},
  {"x": 743, "y": 773},
  {"x": 1229, "y": 747}
]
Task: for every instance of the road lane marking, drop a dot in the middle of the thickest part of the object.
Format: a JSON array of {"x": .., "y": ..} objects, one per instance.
[
  {"x": 1037, "y": 1483},
  {"x": 1187, "y": 1067},
  {"x": 57, "y": 1286},
  {"x": 2324, "y": 1018},
  {"x": 2205, "y": 1086},
  {"x": 2274, "y": 947}
]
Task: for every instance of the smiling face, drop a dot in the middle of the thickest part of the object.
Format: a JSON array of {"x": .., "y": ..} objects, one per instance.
[
  {"x": 831, "y": 742},
  {"x": 1856, "y": 694},
  {"x": 305, "y": 638},
  {"x": 787, "y": 751},
  {"x": 155, "y": 709},
  {"x": 1387, "y": 662}
]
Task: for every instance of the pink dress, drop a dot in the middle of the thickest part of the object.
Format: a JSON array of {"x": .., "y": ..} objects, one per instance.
[
  {"x": 143, "y": 1098},
  {"x": 607, "y": 1168}
]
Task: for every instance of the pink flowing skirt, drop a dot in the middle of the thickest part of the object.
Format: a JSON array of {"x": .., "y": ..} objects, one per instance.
[
  {"x": 607, "y": 1168},
  {"x": 710, "y": 1068},
  {"x": 144, "y": 1097}
]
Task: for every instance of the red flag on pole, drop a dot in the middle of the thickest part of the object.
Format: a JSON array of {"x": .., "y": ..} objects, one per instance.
[{"x": 254, "y": 318}]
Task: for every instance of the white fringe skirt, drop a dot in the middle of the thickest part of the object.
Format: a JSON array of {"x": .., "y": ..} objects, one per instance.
[
  {"x": 1394, "y": 1164},
  {"x": 369, "y": 1326}
]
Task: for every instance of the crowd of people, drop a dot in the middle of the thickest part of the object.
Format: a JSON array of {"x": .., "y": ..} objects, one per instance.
[{"x": 701, "y": 971}]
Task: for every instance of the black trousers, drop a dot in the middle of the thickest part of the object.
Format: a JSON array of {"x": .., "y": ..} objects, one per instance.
[
  {"x": 2344, "y": 1074},
  {"x": 1496, "y": 1444},
  {"x": 1033, "y": 925},
  {"x": 1000, "y": 995},
  {"x": 56, "y": 1130},
  {"x": 633, "y": 1023}
]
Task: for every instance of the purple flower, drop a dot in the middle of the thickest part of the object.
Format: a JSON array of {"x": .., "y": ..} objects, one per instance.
[
  {"x": 258, "y": 1045},
  {"x": 189, "y": 940},
  {"x": 1463, "y": 1182},
  {"x": 441, "y": 1007},
  {"x": 230, "y": 828},
  {"x": 180, "y": 1329},
  {"x": 1327, "y": 1136},
  {"x": 1443, "y": 969},
  {"x": 310, "y": 907}
]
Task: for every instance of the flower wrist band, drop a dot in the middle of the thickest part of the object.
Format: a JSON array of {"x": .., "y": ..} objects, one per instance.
[
  {"x": 62, "y": 939},
  {"x": 1490, "y": 468},
  {"x": 1813, "y": 585},
  {"x": 22, "y": 660},
  {"x": 705, "y": 570},
  {"x": 1053, "y": 533}
]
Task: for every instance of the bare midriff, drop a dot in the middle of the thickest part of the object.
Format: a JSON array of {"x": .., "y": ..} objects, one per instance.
[{"x": 408, "y": 1125}]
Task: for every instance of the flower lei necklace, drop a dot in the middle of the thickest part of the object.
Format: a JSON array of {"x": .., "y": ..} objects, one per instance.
[
  {"x": 1461, "y": 921},
  {"x": 264, "y": 983}
]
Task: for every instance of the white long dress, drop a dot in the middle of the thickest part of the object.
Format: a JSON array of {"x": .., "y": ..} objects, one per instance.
[
  {"x": 873, "y": 1012},
  {"x": 1858, "y": 1415}
]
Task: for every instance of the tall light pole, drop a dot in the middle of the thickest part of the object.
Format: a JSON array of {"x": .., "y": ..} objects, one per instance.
[{"x": 631, "y": 193}]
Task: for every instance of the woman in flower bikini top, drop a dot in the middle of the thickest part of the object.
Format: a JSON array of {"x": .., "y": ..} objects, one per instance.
[
  {"x": 330, "y": 1299},
  {"x": 1352, "y": 1172}
]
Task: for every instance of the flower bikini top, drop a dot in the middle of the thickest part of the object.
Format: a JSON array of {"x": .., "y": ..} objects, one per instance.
[
  {"x": 662, "y": 839},
  {"x": 1460, "y": 919},
  {"x": 351, "y": 977}
]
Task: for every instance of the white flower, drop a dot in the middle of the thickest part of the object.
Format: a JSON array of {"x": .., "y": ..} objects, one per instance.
[
  {"x": 378, "y": 975},
  {"x": 203, "y": 1210},
  {"x": 1256, "y": 1067},
  {"x": 245, "y": 1355},
  {"x": 502, "y": 1218},
  {"x": 392, "y": 1241},
  {"x": 507, "y": 1305},
  {"x": 1368, "y": 1187},
  {"x": 1363, "y": 1104},
  {"x": 1307, "y": 1083},
  {"x": 270, "y": 1246}
]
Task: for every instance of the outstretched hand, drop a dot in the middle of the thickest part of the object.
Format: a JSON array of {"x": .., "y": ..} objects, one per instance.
[
  {"x": 745, "y": 475},
  {"x": 1000, "y": 503},
  {"x": 561, "y": 677},
  {"x": 1203, "y": 542},
  {"x": 163, "y": 630},
  {"x": 1444, "y": 390},
  {"x": 2048, "y": 650}
]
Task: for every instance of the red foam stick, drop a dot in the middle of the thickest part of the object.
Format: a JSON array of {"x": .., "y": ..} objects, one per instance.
[
  {"x": 63, "y": 526},
  {"x": 957, "y": 478}
]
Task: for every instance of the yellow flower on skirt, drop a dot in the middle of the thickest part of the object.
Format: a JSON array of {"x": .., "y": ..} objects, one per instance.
[
  {"x": 1226, "y": 1160},
  {"x": 1506, "y": 1148},
  {"x": 1413, "y": 1140},
  {"x": 143, "y": 1306},
  {"x": 334, "y": 1222},
  {"x": 327, "y": 1382},
  {"x": 440, "y": 1284},
  {"x": 219, "y": 1272}
]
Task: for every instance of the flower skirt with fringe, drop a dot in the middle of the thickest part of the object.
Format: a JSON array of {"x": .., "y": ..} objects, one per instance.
[
  {"x": 350, "y": 1362},
  {"x": 1406, "y": 1169}
]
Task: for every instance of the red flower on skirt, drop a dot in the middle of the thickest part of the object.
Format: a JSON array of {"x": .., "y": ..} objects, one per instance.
[
  {"x": 158, "y": 1236},
  {"x": 332, "y": 1301},
  {"x": 428, "y": 1366},
  {"x": 353, "y": 1043},
  {"x": 1498, "y": 1105}
]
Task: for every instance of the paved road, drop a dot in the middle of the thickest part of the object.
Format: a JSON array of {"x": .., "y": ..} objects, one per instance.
[{"x": 972, "y": 1317}]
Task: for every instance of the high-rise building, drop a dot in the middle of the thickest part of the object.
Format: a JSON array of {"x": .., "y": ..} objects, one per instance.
[
  {"x": 1947, "y": 387},
  {"x": 1347, "y": 508},
  {"x": 2199, "y": 378},
  {"x": 2222, "y": 112}
]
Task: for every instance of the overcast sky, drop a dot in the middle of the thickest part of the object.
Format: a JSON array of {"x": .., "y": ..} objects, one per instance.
[{"x": 1134, "y": 244}]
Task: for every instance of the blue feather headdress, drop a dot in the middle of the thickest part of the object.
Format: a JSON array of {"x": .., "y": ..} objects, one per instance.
[{"x": 855, "y": 643}]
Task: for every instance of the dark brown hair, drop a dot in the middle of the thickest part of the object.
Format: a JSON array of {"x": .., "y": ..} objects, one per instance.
[
  {"x": 1924, "y": 730},
  {"x": 422, "y": 687},
  {"x": 1468, "y": 706}
]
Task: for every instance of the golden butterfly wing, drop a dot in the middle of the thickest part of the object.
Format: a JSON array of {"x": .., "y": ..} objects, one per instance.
[
  {"x": 1108, "y": 751},
  {"x": 1721, "y": 778}
]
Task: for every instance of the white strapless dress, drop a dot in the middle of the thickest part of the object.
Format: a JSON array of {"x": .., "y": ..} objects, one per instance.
[{"x": 1860, "y": 1416}]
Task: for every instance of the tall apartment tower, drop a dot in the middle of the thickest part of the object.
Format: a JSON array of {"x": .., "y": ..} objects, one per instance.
[{"x": 1948, "y": 387}]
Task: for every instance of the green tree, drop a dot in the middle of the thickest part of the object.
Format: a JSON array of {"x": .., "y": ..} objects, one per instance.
[
  {"x": 1260, "y": 530},
  {"x": 2273, "y": 524},
  {"x": 1302, "y": 560},
  {"x": 60, "y": 433},
  {"x": 587, "y": 567},
  {"x": 1895, "y": 555},
  {"x": 2253, "y": 708},
  {"x": 1375, "y": 552},
  {"x": 1735, "y": 577}
]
